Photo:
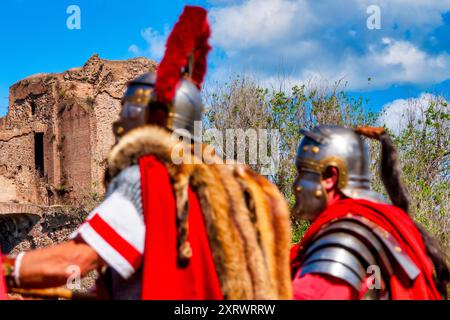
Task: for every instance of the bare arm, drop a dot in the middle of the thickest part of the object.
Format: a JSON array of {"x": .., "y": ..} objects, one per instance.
[{"x": 48, "y": 267}]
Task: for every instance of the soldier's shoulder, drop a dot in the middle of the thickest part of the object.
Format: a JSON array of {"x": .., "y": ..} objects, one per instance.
[
  {"x": 346, "y": 247},
  {"x": 130, "y": 174},
  {"x": 127, "y": 178}
]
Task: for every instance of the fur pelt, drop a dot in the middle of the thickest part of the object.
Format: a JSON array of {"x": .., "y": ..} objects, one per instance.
[{"x": 246, "y": 217}]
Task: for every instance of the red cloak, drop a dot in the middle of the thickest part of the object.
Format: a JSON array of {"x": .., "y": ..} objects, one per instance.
[
  {"x": 162, "y": 277},
  {"x": 394, "y": 221}
]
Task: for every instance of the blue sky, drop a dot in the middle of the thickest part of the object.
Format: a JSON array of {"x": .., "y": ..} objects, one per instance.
[
  {"x": 299, "y": 39},
  {"x": 35, "y": 38}
]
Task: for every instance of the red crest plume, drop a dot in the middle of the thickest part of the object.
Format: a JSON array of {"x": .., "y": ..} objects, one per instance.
[{"x": 188, "y": 37}]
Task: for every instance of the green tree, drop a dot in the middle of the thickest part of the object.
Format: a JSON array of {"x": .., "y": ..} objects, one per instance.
[
  {"x": 243, "y": 104},
  {"x": 423, "y": 142}
]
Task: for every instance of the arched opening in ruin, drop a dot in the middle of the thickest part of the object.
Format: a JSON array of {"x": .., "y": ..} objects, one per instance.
[{"x": 14, "y": 228}]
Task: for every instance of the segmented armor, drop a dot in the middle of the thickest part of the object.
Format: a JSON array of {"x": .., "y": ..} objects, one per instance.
[{"x": 347, "y": 248}]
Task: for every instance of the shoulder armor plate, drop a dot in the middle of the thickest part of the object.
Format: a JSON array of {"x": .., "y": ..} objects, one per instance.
[
  {"x": 339, "y": 254},
  {"x": 337, "y": 262},
  {"x": 346, "y": 247},
  {"x": 369, "y": 241},
  {"x": 399, "y": 257},
  {"x": 334, "y": 269}
]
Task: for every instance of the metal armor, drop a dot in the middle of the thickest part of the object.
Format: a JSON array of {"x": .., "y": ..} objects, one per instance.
[
  {"x": 140, "y": 107},
  {"x": 329, "y": 145},
  {"x": 347, "y": 248}
]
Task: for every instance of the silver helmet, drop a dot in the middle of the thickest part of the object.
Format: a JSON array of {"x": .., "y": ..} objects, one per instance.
[
  {"x": 186, "y": 110},
  {"x": 140, "y": 106},
  {"x": 331, "y": 146}
]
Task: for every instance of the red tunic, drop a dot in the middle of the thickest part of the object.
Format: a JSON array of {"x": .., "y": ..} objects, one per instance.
[
  {"x": 162, "y": 277},
  {"x": 323, "y": 287},
  {"x": 394, "y": 221}
]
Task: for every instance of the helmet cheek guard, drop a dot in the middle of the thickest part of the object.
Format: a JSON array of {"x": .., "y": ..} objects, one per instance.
[
  {"x": 135, "y": 102},
  {"x": 310, "y": 195}
]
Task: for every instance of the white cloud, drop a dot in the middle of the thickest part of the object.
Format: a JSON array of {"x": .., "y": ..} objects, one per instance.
[
  {"x": 329, "y": 39},
  {"x": 415, "y": 64},
  {"x": 394, "y": 61},
  {"x": 155, "y": 44},
  {"x": 397, "y": 114},
  {"x": 252, "y": 23},
  {"x": 134, "y": 49}
]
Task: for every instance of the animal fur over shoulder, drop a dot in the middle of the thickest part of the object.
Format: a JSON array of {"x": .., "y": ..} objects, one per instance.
[{"x": 246, "y": 217}]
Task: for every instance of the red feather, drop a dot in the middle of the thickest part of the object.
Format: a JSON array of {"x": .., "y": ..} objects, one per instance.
[{"x": 189, "y": 35}]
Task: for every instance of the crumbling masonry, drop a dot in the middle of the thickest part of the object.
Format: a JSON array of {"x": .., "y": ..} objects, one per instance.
[{"x": 53, "y": 144}]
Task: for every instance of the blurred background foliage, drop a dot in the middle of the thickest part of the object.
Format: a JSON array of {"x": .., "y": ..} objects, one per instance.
[{"x": 423, "y": 142}]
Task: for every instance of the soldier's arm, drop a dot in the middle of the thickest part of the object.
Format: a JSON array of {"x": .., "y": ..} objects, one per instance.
[
  {"x": 112, "y": 235},
  {"x": 51, "y": 267}
]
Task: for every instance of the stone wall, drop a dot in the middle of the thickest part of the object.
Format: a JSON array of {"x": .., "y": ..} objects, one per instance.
[
  {"x": 17, "y": 170},
  {"x": 74, "y": 112},
  {"x": 53, "y": 145}
]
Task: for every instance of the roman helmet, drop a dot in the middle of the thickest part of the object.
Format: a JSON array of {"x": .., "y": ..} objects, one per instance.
[
  {"x": 335, "y": 146},
  {"x": 171, "y": 97}
]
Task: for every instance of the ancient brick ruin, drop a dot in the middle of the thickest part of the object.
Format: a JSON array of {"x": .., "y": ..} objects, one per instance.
[{"x": 53, "y": 144}]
